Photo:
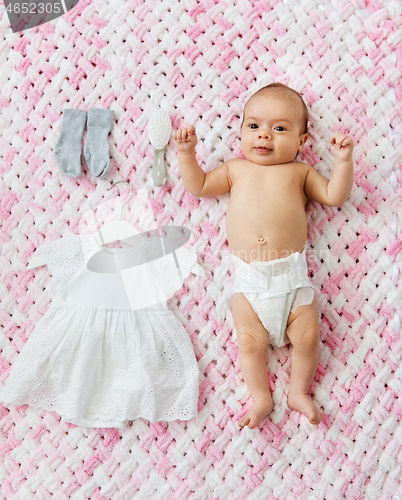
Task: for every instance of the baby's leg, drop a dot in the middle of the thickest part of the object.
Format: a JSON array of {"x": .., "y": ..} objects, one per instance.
[
  {"x": 304, "y": 333},
  {"x": 252, "y": 340}
]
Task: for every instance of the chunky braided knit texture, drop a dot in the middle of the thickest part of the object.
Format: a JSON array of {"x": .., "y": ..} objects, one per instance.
[{"x": 201, "y": 61}]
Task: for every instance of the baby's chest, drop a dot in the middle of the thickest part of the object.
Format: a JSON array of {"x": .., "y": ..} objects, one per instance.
[{"x": 269, "y": 189}]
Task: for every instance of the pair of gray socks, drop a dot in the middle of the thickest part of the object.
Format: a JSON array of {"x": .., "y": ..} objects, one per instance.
[{"x": 96, "y": 149}]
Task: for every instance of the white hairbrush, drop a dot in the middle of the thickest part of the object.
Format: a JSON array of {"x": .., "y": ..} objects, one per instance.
[{"x": 160, "y": 130}]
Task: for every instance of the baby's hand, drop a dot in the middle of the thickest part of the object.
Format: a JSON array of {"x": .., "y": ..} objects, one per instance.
[
  {"x": 185, "y": 140},
  {"x": 341, "y": 146}
]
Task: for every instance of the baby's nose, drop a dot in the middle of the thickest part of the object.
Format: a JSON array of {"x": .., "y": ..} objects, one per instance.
[{"x": 264, "y": 134}]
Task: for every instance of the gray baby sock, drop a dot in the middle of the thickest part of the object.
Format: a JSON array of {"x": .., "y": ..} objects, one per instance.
[
  {"x": 68, "y": 147},
  {"x": 96, "y": 149}
]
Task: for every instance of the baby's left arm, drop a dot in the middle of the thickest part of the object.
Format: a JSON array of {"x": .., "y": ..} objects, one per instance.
[{"x": 336, "y": 191}]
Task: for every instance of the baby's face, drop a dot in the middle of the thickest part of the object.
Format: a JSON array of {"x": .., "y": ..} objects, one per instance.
[{"x": 271, "y": 133}]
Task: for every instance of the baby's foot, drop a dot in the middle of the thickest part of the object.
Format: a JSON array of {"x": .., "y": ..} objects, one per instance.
[
  {"x": 304, "y": 404},
  {"x": 257, "y": 413}
]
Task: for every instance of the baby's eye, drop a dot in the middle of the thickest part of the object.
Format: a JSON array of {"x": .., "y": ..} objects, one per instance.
[
  {"x": 279, "y": 129},
  {"x": 254, "y": 126}
]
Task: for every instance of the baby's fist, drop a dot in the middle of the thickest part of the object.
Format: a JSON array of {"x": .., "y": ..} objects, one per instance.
[
  {"x": 342, "y": 146},
  {"x": 185, "y": 140}
]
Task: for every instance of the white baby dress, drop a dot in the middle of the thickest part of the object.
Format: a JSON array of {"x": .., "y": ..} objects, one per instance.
[{"x": 104, "y": 353}]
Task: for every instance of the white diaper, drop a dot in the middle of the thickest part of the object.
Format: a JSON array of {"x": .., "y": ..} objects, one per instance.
[{"x": 274, "y": 289}]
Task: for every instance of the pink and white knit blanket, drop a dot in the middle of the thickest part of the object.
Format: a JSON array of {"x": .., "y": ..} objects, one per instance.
[{"x": 201, "y": 60}]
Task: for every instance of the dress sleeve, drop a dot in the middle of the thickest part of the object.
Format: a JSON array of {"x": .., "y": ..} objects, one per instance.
[
  {"x": 171, "y": 270},
  {"x": 64, "y": 258},
  {"x": 186, "y": 259}
]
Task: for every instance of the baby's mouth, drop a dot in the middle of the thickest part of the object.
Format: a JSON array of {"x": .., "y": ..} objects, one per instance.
[{"x": 263, "y": 150}]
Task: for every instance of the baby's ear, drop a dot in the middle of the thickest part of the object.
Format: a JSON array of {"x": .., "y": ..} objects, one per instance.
[{"x": 303, "y": 139}]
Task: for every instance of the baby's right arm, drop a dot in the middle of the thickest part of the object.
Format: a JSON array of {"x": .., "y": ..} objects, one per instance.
[{"x": 197, "y": 182}]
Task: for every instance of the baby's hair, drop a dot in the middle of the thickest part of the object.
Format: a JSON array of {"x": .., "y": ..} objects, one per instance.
[{"x": 283, "y": 90}]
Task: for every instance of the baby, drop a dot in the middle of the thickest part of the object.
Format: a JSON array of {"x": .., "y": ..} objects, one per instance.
[{"x": 273, "y": 301}]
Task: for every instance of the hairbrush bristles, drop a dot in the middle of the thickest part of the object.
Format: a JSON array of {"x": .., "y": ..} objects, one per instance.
[{"x": 159, "y": 129}]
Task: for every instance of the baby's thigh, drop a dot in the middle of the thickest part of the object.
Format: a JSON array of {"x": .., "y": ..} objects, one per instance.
[
  {"x": 304, "y": 323},
  {"x": 248, "y": 325}
]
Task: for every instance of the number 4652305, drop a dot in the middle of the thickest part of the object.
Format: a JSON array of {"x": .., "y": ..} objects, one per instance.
[{"x": 34, "y": 8}]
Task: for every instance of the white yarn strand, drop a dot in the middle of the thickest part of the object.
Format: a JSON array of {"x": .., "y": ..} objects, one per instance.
[
  {"x": 397, "y": 323},
  {"x": 332, "y": 8},
  {"x": 394, "y": 180},
  {"x": 395, "y": 273},
  {"x": 392, "y": 96},
  {"x": 395, "y": 224},
  {"x": 363, "y": 13},
  {"x": 295, "y": 3}
]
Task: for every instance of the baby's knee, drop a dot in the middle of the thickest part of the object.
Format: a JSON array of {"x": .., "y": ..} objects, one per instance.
[
  {"x": 251, "y": 343},
  {"x": 304, "y": 327},
  {"x": 308, "y": 336}
]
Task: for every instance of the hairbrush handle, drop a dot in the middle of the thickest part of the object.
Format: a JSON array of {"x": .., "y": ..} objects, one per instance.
[{"x": 158, "y": 173}]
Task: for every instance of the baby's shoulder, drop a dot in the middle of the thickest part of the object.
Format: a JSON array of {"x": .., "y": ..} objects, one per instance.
[
  {"x": 236, "y": 165},
  {"x": 301, "y": 169},
  {"x": 234, "y": 168},
  {"x": 301, "y": 165},
  {"x": 236, "y": 162}
]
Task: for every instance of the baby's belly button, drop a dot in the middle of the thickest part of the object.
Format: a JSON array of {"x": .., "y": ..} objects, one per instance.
[{"x": 262, "y": 240}]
